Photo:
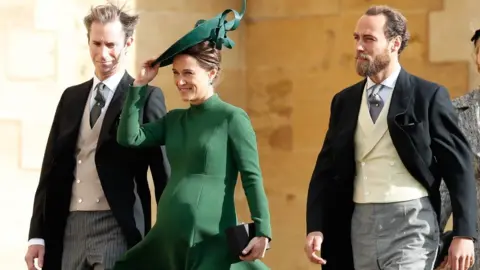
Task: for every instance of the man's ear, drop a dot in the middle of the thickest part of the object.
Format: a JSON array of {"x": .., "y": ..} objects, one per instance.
[
  {"x": 128, "y": 43},
  {"x": 397, "y": 43}
]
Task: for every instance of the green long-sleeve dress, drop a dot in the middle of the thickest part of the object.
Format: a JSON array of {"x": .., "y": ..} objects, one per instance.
[{"x": 207, "y": 146}]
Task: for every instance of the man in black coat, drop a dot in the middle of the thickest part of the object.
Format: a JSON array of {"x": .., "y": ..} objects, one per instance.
[
  {"x": 373, "y": 200},
  {"x": 467, "y": 107},
  {"x": 93, "y": 201}
]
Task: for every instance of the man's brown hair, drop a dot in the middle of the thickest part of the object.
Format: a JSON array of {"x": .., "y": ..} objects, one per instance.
[
  {"x": 109, "y": 13},
  {"x": 396, "y": 24}
]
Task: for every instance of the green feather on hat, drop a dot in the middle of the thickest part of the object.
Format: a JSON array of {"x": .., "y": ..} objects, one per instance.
[{"x": 213, "y": 30}]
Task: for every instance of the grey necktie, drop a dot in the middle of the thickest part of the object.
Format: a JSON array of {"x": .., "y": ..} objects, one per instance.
[
  {"x": 375, "y": 102},
  {"x": 99, "y": 104}
]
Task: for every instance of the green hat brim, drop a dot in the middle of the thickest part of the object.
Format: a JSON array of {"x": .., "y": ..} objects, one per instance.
[{"x": 214, "y": 30}]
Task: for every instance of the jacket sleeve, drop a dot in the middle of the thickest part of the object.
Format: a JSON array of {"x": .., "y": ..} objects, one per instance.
[
  {"x": 130, "y": 132},
  {"x": 245, "y": 153},
  {"x": 455, "y": 160},
  {"x": 37, "y": 220},
  {"x": 155, "y": 110},
  {"x": 320, "y": 182}
]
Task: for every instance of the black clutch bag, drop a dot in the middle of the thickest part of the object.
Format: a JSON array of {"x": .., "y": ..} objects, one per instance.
[
  {"x": 445, "y": 241},
  {"x": 239, "y": 236}
]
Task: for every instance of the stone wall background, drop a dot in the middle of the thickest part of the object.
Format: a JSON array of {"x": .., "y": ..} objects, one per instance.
[{"x": 291, "y": 57}]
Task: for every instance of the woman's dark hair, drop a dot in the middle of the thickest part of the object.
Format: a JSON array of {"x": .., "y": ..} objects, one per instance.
[
  {"x": 475, "y": 37},
  {"x": 207, "y": 55}
]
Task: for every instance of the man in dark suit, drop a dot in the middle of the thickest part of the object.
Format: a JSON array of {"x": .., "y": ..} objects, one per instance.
[
  {"x": 93, "y": 201},
  {"x": 467, "y": 107},
  {"x": 373, "y": 200}
]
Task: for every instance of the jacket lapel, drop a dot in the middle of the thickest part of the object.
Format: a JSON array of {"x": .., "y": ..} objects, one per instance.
[
  {"x": 77, "y": 106},
  {"x": 349, "y": 114},
  {"x": 401, "y": 99},
  {"x": 114, "y": 108}
]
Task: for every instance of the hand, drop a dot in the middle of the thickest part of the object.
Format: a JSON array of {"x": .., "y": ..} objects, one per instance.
[
  {"x": 34, "y": 252},
  {"x": 312, "y": 246},
  {"x": 255, "y": 249},
  {"x": 443, "y": 264},
  {"x": 461, "y": 254},
  {"x": 147, "y": 73}
]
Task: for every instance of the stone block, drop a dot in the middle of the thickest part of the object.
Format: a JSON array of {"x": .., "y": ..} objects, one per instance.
[
  {"x": 321, "y": 42},
  {"x": 10, "y": 94},
  {"x": 71, "y": 15},
  {"x": 406, "y": 5},
  {"x": 9, "y": 148},
  {"x": 464, "y": 14},
  {"x": 17, "y": 190},
  {"x": 474, "y": 76},
  {"x": 310, "y": 119},
  {"x": 299, "y": 42},
  {"x": 442, "y": 73},
  {"x": 417, "y": 48},
  {"x": 38, "y": 101},
  {"x": 47, "y": 18},
  {"x": 232, "y": 87},
  {"x": 442, "y": 46},
  {"x": 278, "y": 167},
  {"x": 269, "y": 104},
  {"x": 285, "y": 101},
  {"x": 17, "y": 16},
  {"x": 264, "y": 9},
  {"x": 24, "y": 62},
  {"x": 4, "y": 4},
  {"x": 34, "y": 136},
  {"x": 212, "y": 7}
]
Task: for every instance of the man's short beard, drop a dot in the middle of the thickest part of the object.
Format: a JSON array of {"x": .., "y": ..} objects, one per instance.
[{"x": 368, "y": 69}]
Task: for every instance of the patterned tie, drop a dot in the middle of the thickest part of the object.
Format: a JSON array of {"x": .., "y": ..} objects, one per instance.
[
  {"x": 99, "y": 104},
  {"x": 375, "y": 102}
]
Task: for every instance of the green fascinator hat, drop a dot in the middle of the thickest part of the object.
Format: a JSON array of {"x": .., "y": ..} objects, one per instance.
[{"x": 213, "y": 30}]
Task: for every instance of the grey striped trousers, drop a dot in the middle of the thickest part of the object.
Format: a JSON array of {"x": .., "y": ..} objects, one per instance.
[
  {"x": 399, "y": 235},
  {"x": 93, "y": 241}
]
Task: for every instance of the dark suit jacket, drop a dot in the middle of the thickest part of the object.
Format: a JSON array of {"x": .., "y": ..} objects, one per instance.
[
  {"x": 467, "y": 107},
  {"x": 117, "y": 167},
  {"x": 423, "y": 127}
]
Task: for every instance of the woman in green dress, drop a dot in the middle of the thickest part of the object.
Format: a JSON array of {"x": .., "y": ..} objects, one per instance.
[{"x": 207, "y": 145}]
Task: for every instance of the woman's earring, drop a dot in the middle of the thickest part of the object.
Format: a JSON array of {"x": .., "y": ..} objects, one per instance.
[{"x": 210, "y": 82}]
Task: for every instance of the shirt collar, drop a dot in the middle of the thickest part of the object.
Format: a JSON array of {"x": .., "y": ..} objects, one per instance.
[
  {"x": 388, "y": 82},
  {"x": 111, "y": 82}
]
